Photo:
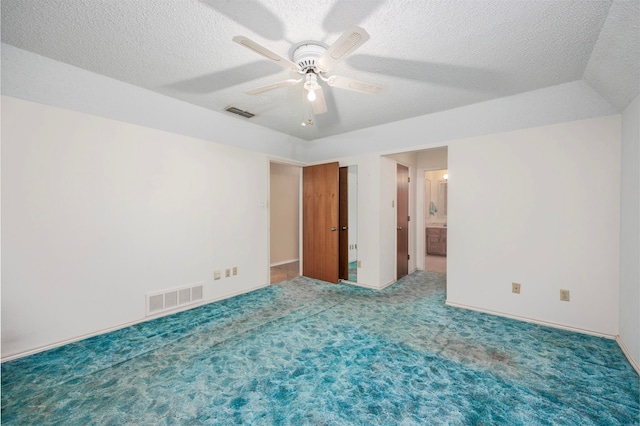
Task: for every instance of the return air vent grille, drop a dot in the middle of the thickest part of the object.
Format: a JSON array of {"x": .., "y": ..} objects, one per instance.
[
  {"x": 161, "y": 301},
  {"x": 156, "y": 303},
  {"x": 238, "y": 111},
  {"x": 184, "y": 296}
]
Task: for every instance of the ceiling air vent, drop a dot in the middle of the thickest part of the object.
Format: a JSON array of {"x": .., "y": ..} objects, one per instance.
[{"x": 239, "y": 111}]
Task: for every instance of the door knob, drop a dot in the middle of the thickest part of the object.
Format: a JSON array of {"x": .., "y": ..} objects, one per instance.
[
  {"x": 334, "y": 229},
  {"x": 344, "y": 228},
  {"x": 399, "y": 228}
]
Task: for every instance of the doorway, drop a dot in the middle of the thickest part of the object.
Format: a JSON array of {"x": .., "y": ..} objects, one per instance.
[
  {"x": 284, "y": 222},
  {"x": 348, "y": 223},
  {"x": 436, "y": 190}
]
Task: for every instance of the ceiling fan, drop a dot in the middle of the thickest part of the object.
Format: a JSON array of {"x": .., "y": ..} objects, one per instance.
[{"x": 313, "y": 61}]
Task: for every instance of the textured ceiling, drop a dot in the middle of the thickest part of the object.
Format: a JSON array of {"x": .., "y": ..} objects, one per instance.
[{"x": 430, "y": 55}]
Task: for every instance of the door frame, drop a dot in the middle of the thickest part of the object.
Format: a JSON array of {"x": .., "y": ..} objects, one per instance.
[
  {"x": 421, "y": 246},
  {"x": 409, "y": 224},
  {"x": 267, "y": 207}
]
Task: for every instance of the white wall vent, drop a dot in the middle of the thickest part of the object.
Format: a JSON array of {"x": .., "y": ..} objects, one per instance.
[
  {"x": 238, "y": 111},
  {"x": 184, "y": 296},
  {"x": 160, "y": 301},
  {"x": 170, "y": 299},
  {"x": 196, "y": 293},
  {"x": 156, "y": 303}
]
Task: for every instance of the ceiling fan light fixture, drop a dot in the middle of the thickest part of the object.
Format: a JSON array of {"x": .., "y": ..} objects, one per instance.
[
  {"x": 311, "y": 81},
  {"x": 311, "y": 96},
  {"x": 306, "y": 56},
  {"x": 311, "y": 84},
  {"x": 312, "y": 60}
]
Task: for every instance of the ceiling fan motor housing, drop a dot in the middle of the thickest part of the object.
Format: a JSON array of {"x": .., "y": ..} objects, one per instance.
[{"x": 307, "y": 55}]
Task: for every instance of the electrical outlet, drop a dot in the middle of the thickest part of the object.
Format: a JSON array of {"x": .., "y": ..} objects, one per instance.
[
  {"x": 564, "y": 295},
  {"x": 227, "y": 273},
  {"x": 515, "y": 288},
  {"x": 359, "y": 263},
  {"x": 235, "y": 270},
  {"x": 216, "y": 275}
]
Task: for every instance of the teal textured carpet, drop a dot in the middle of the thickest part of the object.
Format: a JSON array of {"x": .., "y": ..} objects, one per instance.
[
  {"x": 353, "y": 271},
  {"x": 306, "y": 352}
]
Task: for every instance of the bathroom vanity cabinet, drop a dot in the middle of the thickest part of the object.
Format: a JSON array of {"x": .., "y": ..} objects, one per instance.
[{"x": 437, "y": 241}]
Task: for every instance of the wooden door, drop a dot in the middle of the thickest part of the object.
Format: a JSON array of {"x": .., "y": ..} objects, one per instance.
[
  {"x": 320, "y": 222},
  {"x": 343, "y": 223},
  {"x": 402, "y": 239}
]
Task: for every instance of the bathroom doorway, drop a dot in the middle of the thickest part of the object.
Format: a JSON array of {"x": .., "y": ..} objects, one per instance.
[{"x": 436, "y": 190}]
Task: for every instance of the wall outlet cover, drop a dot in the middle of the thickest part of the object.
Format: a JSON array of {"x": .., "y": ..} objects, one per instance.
[
  {"x": 227, "y": 273},
  {"x": 565, "y": 296},
  {"x": 515, "y": 288},
  {"x": 216, "y": 275}
]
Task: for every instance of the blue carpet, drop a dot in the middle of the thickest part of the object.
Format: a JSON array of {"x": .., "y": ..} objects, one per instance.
[
  {"x": 353, "y": 271},
  {"x": 306, "y": 352}
]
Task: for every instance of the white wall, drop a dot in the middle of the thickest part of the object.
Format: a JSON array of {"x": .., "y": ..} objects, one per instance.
[
  {"x": 96, "y": 213},
  {"x": 540, "y": 207},
  {"x": 630, "y": 232},
  {"x": 368, "y": 217},
  {"x": 26, "y": 75},
  {"x": 284, "y": 212},
  {"x": 433, "y": 159},
  {"x": 563, "y": 103},
  {"x": 387, "y": 225}
]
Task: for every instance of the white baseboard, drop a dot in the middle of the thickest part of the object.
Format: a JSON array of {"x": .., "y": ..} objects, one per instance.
[
  {"x": 284, "y": 262},
  {"x": 387, "y": 284},
  {"x": 123, "y": 325},
  {"x": 532, "y": 320},
  {"x": 363, "y": 285},
  {"x": 369, "y": 286},
  {"x": 625, "y": 350}
]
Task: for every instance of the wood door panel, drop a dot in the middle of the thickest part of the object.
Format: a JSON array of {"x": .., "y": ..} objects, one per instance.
[
  {"x": 320, "y": 222},
  {"x": 402, "y": 239}
]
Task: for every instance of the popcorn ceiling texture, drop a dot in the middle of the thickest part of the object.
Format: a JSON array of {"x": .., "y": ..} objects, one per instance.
[
  {"x": 431, "y": 55},
  {"x": 307, "y": 352},
  {"x": 613, "y": 67}
]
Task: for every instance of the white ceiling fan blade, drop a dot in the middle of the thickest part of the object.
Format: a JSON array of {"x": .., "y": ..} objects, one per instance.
[
  {"x": 355, "y": 85},
  {"x": 347, "y": 43},
  {"x": 284, "y": 83},
  {"x": 263, "y": 51},
  {"x": 319, "y": 105}
]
